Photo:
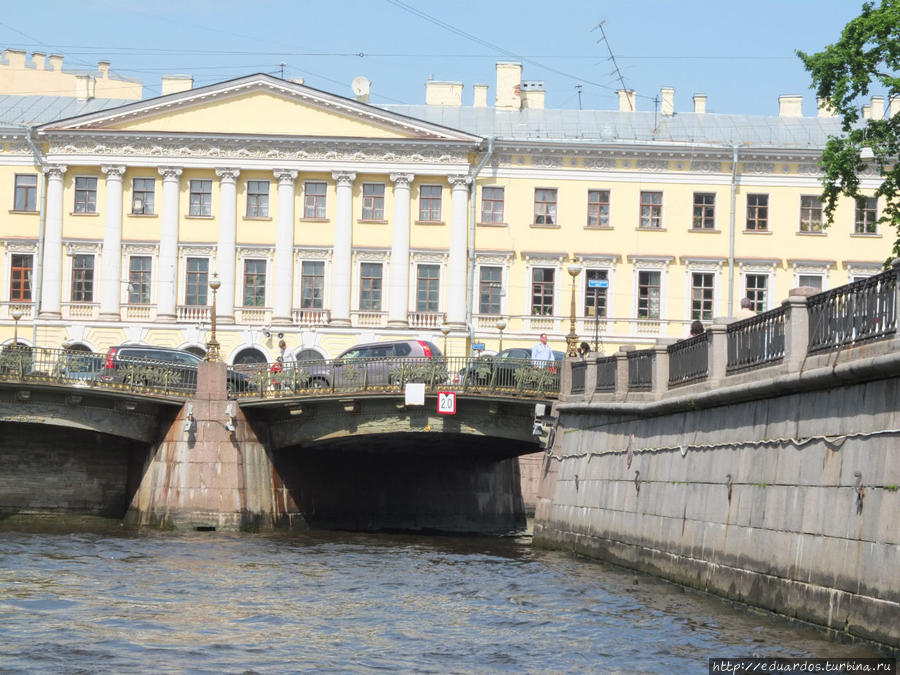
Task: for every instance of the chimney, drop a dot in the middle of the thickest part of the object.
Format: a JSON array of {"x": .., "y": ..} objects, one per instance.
[
  {"x": 877, "y": 107},
  {"x": 626, "y": 100},
  {"x": 172, "y": 84},
  {"x": 84, "y": 87},
  {"x": 824, "y": 109},
  {"x": 667, "y": 105},
  {"x": 894, "y": 105},
  {"x": 480, "y": 100},
  {"x": 790, "y": 105},
  {"x": 867, "y": 112},
  {"x": 15, "y": 58},
  {"x": 700, "y": 103},
  {"x": 297, "y": 80},
  {"x": 509, "y": 86},
  {"x": 103, "y": 69},
  {"x": 39, "y": 59},
  {"x": 443, "y": 93},
  {"x": 533, "y": 94},
  {"x": 56, "y": 63}
]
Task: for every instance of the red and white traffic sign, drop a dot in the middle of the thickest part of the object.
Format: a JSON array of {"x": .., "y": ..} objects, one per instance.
[{"x": 447, "y": 402}]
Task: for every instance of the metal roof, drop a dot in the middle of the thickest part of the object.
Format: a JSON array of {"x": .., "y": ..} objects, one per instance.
[
  {"x": 16, "y": 111},
  {"x": 607, "y": 126}
]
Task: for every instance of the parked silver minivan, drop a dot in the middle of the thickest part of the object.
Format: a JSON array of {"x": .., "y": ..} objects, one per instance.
[{"x": 374, "y": 364}]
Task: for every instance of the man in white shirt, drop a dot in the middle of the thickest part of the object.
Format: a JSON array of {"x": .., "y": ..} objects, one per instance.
[
  {"x": 286, "y": 355},
  {"x": 541, "y": 352}
]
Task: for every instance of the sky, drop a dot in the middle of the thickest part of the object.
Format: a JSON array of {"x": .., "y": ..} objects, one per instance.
[{"x": 740, "y": 54}]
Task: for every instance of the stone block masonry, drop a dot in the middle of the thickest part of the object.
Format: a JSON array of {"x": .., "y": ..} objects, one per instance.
[{"x": 789, "y": 502}]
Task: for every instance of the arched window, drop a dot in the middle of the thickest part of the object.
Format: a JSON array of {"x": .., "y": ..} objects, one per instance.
[
  {"x": 199, "y": 351},
  {"x": 309, "y": 355},
  {"x": 78, "y": 347},
  {"x": 249, "y": 356}
]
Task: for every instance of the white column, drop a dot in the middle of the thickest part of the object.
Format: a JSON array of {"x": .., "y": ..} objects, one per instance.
[
  {"x": 225, "y": 253},
  {"x": 51, "y": 265},
  {"x": 398, "y": 306},
  {"x": 456, "y": 263},
  {"x": 343, "y": 245},
  {"x": 168, "y": 244},
  {"x": 283, "y": 274},
  {"x": 111, "y": 271}
]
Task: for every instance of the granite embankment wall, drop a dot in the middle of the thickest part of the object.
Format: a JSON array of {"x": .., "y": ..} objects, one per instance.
[{"x": 788, "y": 502}]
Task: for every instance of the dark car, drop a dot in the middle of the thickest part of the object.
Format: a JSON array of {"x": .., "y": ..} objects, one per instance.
[
  {"x": 511, "y": 368},
  {"x": 377, "y": 364},
  {"x": 164, "y": 367}
]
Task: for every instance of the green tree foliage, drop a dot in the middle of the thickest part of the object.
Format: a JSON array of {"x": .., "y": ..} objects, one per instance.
[{"x": 866, "y": 56}]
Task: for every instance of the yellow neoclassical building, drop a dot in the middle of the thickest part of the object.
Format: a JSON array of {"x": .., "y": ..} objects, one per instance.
[{"x": 331, "y": 221}]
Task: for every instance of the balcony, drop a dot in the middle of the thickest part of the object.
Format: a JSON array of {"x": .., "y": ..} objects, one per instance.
[
  {"x": 192, "y": 314},
  {"x": 138, "y": 313},
  {"x": 7, "y": 308},
  {"x": 426, "y": 319},
  {"x": 367, "y": 318},
  {"x": 253, "y": 316},
  {"x": 80, "y": 310},
  {"x": 308, "y": 318}
]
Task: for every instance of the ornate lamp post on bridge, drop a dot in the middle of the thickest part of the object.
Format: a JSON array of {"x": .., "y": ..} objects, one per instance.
[
  {"x": 501, "y": 324},
  {"x": 16, "y": 315},
  {"x": 445, "y": 329},
  {"x": 212, "y": 347},
  {"x": 574, "y": 270}
]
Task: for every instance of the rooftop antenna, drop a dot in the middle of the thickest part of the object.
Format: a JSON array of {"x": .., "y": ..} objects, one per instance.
[
  {"x": 612, "y": 58},
  {"x": 578, "y": 88},
  {"x": 282, "y": 64}
]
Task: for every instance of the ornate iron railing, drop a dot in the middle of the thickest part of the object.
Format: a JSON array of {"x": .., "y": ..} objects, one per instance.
[
  {"x": 579, "y": 370},
  {"x": 757, "y": 341},
  {"x": 606, "y": 374},
  {"x": 862, "y": 311},
  {"x": 640, "y": 370},
  {"x": 689, "y": 360}
]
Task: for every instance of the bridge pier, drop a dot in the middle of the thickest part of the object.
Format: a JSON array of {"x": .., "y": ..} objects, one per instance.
[{"x": 210, "y": 470}]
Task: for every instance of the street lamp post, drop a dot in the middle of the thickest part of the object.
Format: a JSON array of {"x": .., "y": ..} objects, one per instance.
[
  {"x": 212, "y": 347},
  {"x": 16, "y": 315},
  {"x": 572, "y": 339},
  {"x": 445, "y": 329},
  {"x": 501, "y": 324}
]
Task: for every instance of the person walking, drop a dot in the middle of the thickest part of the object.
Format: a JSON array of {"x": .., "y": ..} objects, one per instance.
[
  {"x": 746, "y": 309},
  {"x": 583, "y": 350},
  {"x": 697, "y": 328},
  {"x": 287, "y": 357},
  {"x": 541, "y": 353}
]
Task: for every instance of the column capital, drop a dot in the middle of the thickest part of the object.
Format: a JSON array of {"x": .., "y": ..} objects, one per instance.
[
  {"x": 228, "y": 174},
  {"x": 402, "y": 180},
  {"x": 344, "y": 178},
  {"x": 55, "y": 170},
  {"x": 170, "y": 172},
  {"x": 459, "y": 181},
  {"x": 285, "y": 176},
  {"x": 113, "y": 172}
]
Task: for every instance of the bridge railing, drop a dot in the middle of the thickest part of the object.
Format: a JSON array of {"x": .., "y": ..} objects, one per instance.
[
  {"x": 481, "y": 375},
  {"x": 781, "y": 340}
]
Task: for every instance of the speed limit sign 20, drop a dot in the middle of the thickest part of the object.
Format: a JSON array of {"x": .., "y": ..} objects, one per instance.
[{"x": 446, "y": 402}]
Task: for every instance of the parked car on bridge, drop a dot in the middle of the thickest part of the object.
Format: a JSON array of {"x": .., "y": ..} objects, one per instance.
[
  {"x": 377, "y": 364},
  {"x": 162, "y": 367},
  {"x": 82, "y": 365},
  {"x": 512, "y": 368}
]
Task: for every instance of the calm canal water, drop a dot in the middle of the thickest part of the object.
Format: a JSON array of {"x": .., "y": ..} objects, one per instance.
[{"x": 214, "y": 602}]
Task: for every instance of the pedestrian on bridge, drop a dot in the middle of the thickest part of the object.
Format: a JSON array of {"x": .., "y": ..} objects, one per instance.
[
  {"x": 541, "y": 354},
  {"x": 287, "y": 356}
]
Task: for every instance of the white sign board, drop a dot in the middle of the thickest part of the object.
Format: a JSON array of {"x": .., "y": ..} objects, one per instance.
[
  {"x": 446, "y": 402},
  {"x": 415, "y": 393}
]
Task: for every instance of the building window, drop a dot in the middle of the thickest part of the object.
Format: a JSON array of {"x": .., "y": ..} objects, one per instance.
[
  {"x": 373, "y": 201},
  {"x": 648, "y": 295},
  {"x": 197, "y": 280},
  {"x": 492, "y": 205},
  {"x": 430, "y": 203},
  {"x": 26, "y": 192},
  {"x": 20, "y": 277},
  {"x": 83, "y": 277},
  {"x": 201, "y": 198},
  {"x": 254, "y": 283},
  {"x": 370, "y": 286},
  {"x": 314, "y": 200},
  {"x": 812, "y": 280},
  {"x": 139, "y": 280},
  {"x": 595, "y": 298},
  {"x": 489, "y": 287},
  {"x": 758, "y": 212},
  {"x": 810, "y": 214},
  {"x": 598, "y": 208},
  {"x": 757, "y": 288},
  {"x": 702, "y": 296},
  {"x": 651, "y": 209},
  {"x": 85, "y": 194},
  {"x": 544, "y": 206},
  {"x": 866, "y": 215},
  {"x": 704, "y": 210},
  {"x": 143, "y": 196},
  {"x": 312, "y": 284},
  {"x": 257, "y": 199},
  {"x": 427, "y": 284},
  {"x": 542, "y": 291}
]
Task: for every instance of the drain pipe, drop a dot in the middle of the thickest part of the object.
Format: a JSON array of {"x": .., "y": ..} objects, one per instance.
[
  {"x": 39, "y": 263},
  {"x": 470, "y": 279},
  {"x": 734, "y": 163}
]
